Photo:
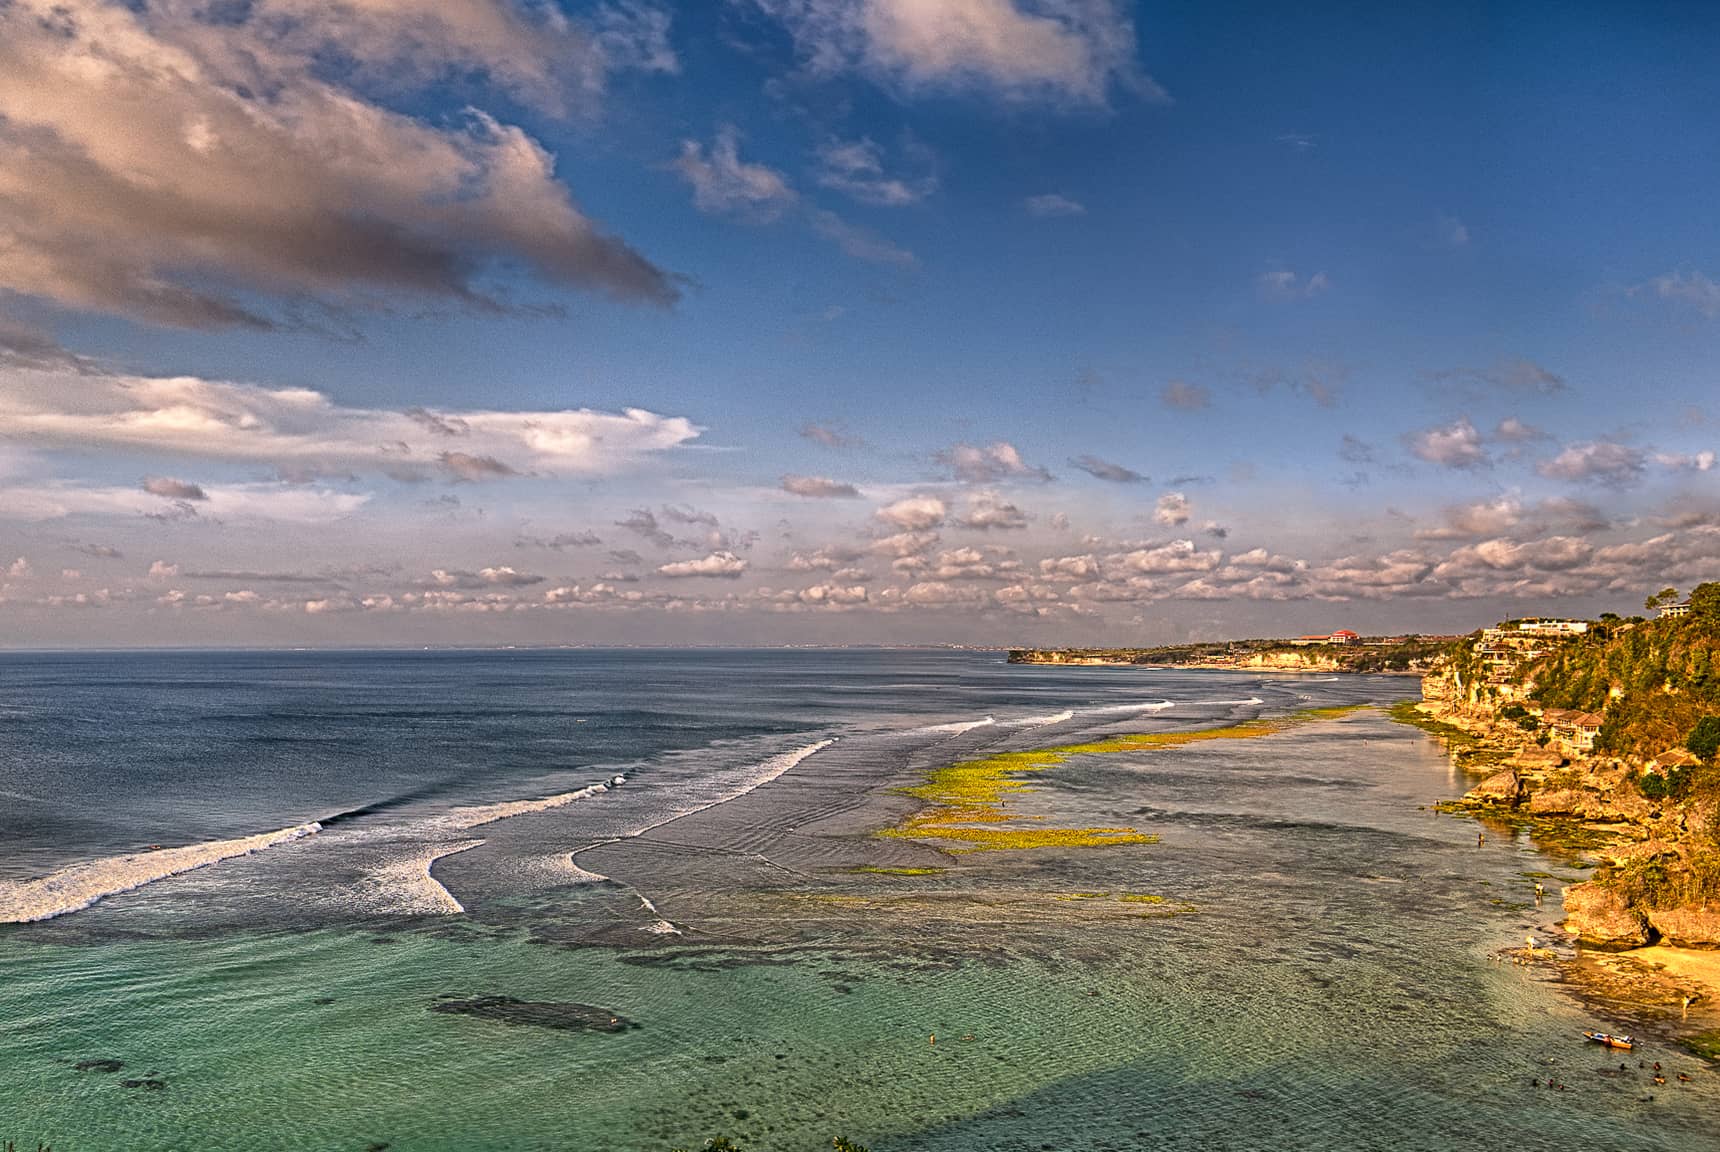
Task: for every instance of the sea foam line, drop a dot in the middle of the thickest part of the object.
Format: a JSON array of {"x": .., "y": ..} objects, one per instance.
[
  {"x": 960, "y": 726},
  {"x": 1156, "y": 706},
  {"x": 473, "y": 817},
  {"x": 79, "y": 885},
  {"x": 407, "y": 888},
  {"x": 1042, "y": 721}
]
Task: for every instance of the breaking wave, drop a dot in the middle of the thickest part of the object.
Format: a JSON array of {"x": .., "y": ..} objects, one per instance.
[
  {"x": 489, "y": 813},
  {"x": 1042, "y": 721},
  {"x": 405, "y": 887},
  {"x": 1155, "y": 706},
  {"x": 79, "y": 885},
  {"x": 959, "y": 726}
]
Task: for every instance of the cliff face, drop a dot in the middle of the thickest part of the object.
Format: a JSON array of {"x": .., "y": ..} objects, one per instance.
[{"x": 1656, "y": 814}]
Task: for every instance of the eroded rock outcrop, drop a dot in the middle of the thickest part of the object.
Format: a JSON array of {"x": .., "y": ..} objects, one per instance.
[
  {"x": 1600, "y": 918},
  {"x": 1692, "y": 926},
  {"x": 1500, "y": 788}
]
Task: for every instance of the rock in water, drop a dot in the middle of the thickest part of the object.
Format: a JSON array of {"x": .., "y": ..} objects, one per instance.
[
  {"x": 1499, "y": 788},
  {"x": 540, "y": 1013},
  {"x": 1600, "y": 918},
  {"x": 100, "y": 1064}
]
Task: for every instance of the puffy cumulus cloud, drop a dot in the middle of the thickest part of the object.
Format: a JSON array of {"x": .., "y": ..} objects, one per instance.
[
  {"x": 722, "y": 182},
  {"x": 988, "y": 563},
  {"x": 905, "y": 544},
  {"x": 725, "y": 565},
  {"x": 1486, "y": 518},
  {"x": 1101, "y": 469},
  {"x": 189, "y": 145},
  {"x": 1553, "y": 554},
  {"x": 1070, "y": 568},
  {"x": 1691, "y": 290},
  {"x": 1051, "y": 204},
  {"x": 303, "y": 430},
  {"x": 1185, "y": 397},
  {"x": 819, "y": 488},
  {"x": 914, "y": 513},
  {"x": 222, "y": 503},
  {"x": 986, "y": 511},
  {"x": 1597, "y": 461},
  {"x": 826, "y": 559},
  {"x": 1455, "y": 445},
  {"x": 1511, "y": 430},
  {"x": 1175, "y": 556},
  {"x": 498, "y": 577},
  {"x": 171, "y": 489},
  {"x": 990, "y": 464},
  {"x": 1400, "y": 573},
  {"x": 856, "y": 168},
  {"x": 1018, "y": 49},
  {"x": 833, "y": 595},
  {"x": 1685, "y": 461},
  {"x": 938, "y": 593},
  {"x": 1285, "y": 284},
  {"x": 1517, "y": 374},
  {"x": 1172, "y": 509}
]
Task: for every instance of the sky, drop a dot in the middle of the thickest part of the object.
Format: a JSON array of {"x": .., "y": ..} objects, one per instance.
[{"x": 426, "y": 322}]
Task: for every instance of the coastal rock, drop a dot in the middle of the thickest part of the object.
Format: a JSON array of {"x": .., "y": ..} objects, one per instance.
[
  {"x": 1692, "y": 926},
  {"x": 1499, "y": 788},
  {"x": 1566, "y": 802},
  {"x": 1600, "y": 918},
  {"x": 540, "y": 1013},
  {"x": 1537, "y": 759}
]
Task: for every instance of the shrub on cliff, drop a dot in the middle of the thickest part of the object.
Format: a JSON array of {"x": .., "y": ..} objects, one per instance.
[{"x": 1704, "y": 739}]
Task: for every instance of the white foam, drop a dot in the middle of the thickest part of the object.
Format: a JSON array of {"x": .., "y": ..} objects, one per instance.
[
  {"x": 1042, "y": 721},
  {"x": 489, "y": 813},
  {"x": 1250, "y": 700},
  {"x": 404, "y": 887},
  {"x": 80, "y": 885},
  {"x": 960, "y": 726},
  {"x": 1155, "y": 706},
  {"x": 660, "y": 926}
]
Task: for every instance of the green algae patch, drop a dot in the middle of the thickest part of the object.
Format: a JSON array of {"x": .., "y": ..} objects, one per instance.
[
  {"x": 964, "y": 796},
  {"x": 877, "y": 871},
  {"x": 1082, "y": 895},
  {"x": 1141, "y": 898},
  {"x": 1704, "y": 1044}
]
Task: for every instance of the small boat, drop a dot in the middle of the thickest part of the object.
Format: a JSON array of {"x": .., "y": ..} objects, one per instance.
[{"x": 1611, "y": 1041}]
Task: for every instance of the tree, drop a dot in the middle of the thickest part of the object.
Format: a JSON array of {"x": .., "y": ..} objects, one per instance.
[
  {"x": 1704, "y": 739},
  {"x": 1661, "y": 598},
  {"x": 1705, "y": 602}
]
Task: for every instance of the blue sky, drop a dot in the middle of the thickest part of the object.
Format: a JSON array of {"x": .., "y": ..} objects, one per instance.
[{"x": 1234, "y": 320}]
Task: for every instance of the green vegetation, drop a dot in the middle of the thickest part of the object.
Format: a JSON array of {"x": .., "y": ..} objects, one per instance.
[
  {"x": 963, "y": 798},
  {"x": 1655, "y": 682},
  {"x": 1704, "y": 739},
  {"x": 1705, "y": 1045}
]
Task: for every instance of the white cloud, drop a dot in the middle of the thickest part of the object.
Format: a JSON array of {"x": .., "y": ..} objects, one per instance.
[
  {"x": 1597, "y": 461},
  {"x": 914, "y": 513},
  {"x": 1284, "y": 284},
  {"x": 1455, "y": 445},
  {"x": 1172, "y": 509},
  {"x": 1018, "y": 49},
  {"x": 1690, "y": 289},
  {"x": 1052, "y": 204},
  {"x": 988, "y": 510},
  {"x": 1101, "y": 469},
  {"x": 190, "y": 146},
  {"x": 298, "y": 504},
  {"x": 300, "y": 429},
  {"x": 819, "y": 487},
  {"x": 720, "y": 564},
  {"x": 856, "y": 168},
  {"x": 723, "y": 182},
  {"x": 859, "y": 243},
  {"x": 990, "y": 464}
]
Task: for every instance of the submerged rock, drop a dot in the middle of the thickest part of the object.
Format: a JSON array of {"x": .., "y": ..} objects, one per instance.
[
  {"x": 1499, "y": 788},
  {"x": 539, "y": 1013},
  {"x": 147, "y": 1083},
  {"x": 100, "y": 1064},
  {"x": 1600, "y": 918},
  {"x": 1693, "y": 926}
]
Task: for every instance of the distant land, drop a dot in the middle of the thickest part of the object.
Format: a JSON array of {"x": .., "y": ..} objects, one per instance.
[{"x": 1340, "y": 651}]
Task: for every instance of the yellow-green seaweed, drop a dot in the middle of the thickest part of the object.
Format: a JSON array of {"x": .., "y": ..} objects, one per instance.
[
  {"x": 968, "y": 793},
  {"x": 879, "y": 871}
]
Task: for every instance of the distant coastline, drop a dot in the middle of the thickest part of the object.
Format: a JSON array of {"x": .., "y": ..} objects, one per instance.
[{"x": 1404, "y": 655}]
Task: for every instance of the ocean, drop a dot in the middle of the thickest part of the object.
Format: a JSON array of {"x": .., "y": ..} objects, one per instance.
[{"x": 633, "y": 899}]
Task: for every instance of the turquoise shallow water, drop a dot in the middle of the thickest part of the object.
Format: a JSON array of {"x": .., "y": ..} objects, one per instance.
[{"x": 1317, "y": 974}]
